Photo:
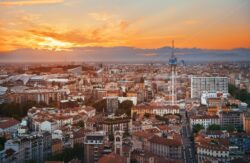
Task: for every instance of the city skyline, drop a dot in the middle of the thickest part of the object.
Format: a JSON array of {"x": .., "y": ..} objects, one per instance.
[{"x": 63, "y": 25}]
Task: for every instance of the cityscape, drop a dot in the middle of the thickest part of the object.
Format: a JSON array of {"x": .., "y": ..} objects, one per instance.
[{"x": 93, "y": 81}]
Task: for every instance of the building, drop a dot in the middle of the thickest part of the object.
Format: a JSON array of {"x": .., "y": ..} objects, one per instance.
[
  {"x": 208, "y": 84},
  {"x": 168, "y": 147},
  {"x": 204, "y": 120},
  {"x": 155, "y": 109},
  {"x": 112, "y": 104},
  {"x": 38, "y": 95},
  {"x": 232, "y": 117},
  {"x": 112, "y": 158},
  {"x": 213, "y": 99},
  {"x": 57, "y": 146},
  {"x": 35, "y": 146},
  {"x": 90, "y": 111},
  {"x": 113, "y": 123},
  {"x": 118, "y": 143},
  {"x": 93, "y": 146},
  {"x": 142, "y": 156},
  {"x": 241, "y": 141},
  {"x": 3, "y": 91},
  {"x": 246, "y": 122},
  {"x": 8, "y": 125},
  {"x": 212, "y": 149}
]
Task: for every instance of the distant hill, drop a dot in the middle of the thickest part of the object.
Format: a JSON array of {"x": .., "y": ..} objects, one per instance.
[{"x": 125, "y": 54}]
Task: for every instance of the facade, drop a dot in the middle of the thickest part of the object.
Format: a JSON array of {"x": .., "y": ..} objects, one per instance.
[
  {"x": 112, "y": 104},
  {"x": 117, "y": 123},
  {"x": 212, "y": 99},
  {"x": 8, "y": 126},
  {"x": 38, "y": 95},
  {"x": 208, "y": 84},
  {"x": 118, "y": 143},
  {"x": 231, "y": 118},
  {"x": 212, "y": 149},
  {"x": 93, "y": 147},
  {"x": 204, "y": 120},
  {"x": 241, "y": 141},
  {"x": 32, "y": 147},
  {"x": 167, "y": 147},
  {"x": 57, "y": 146},
  {"x": 147, "y": 157},
  {"x": 154, "y": 109}
]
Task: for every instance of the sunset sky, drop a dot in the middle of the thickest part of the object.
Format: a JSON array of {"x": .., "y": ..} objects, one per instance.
[{"x": 65, "y": 24}]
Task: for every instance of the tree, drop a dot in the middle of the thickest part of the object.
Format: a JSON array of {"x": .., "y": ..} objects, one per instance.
[
  {"x": 16, "y": 110},
  {"x": 134, "y": 116},
  {"x": 213, "y": 127},
  {"x": 111, "y": 137},
  {"x": 147, "y": 115},
  {"x": 133, "y": 161},
  {"x": 229, "y": 128},
  {"x": 80, "y": 124},
  {"x": 197, "y": 128},
  {"x": 69, "y": 154},
  {"x": 100, "y": 105},
  {"x": 124, "y": 107},
  {"x": 2, "y": 141},
  {"x": 240, "y": 94}
]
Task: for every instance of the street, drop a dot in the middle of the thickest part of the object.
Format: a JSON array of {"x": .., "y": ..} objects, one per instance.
[{"x": 188, "y": 147}]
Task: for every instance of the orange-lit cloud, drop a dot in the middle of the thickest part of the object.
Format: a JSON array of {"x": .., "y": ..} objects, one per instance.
[
  {"x": 143, "y": 24},
  {"x": 28, "y": 2}
]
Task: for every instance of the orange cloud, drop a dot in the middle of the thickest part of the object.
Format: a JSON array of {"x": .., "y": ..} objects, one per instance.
[{"x": 28, "y": 2}]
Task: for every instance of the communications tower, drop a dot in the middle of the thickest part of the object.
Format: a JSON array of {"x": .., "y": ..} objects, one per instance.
[{"x": 173, "y": 65}]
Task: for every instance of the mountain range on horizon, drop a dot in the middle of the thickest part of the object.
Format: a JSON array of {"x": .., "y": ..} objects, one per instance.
[{"x": 125, "y": 54}]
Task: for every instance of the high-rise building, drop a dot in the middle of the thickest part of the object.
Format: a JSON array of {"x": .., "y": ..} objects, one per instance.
[
  {"x": 36, "y": 146},
  {"x": 208, "y": 84},
  {"x": 93, "y": 146},
  {"x": 231, "y": 118},
  {"x": 112, "y": 104}
]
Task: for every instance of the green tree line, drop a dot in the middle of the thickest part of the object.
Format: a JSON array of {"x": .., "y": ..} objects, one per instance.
[{"x": 241, "y": 94}]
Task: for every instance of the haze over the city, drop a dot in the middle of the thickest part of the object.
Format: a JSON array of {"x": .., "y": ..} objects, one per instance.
[{"x": 124, "y": 81}]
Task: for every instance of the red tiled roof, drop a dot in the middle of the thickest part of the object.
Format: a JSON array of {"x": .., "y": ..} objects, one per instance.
[
  {"x": 112, "y": 157},
  {"x": 176, "y": 141},
  {"x": 8, "y": 122}
]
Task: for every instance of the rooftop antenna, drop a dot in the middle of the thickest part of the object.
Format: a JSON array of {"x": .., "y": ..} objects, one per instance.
[{"x": 173, "y": 64}]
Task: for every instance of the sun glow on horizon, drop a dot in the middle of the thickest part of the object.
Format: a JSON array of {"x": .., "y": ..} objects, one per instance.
[
  {"x": 61, "y": 25},
  {"x": 55, "y": 45}
]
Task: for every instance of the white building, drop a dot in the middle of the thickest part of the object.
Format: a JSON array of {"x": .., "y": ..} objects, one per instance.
[
  {"x": 204, "y": 120},
  {"x": 8, "y": 125},
  {"x": 207, "y": 95},
  {"x": 48, "y": 126},
  {"x": 209, "y": 84},
  {"x": 212, "y": 149}
]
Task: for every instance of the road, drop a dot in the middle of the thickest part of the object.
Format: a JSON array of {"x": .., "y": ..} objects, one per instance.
[{"x": 188, "y": 145}]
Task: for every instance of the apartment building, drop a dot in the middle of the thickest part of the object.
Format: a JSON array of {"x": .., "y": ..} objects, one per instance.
[{"x": 208, "y": 84}]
